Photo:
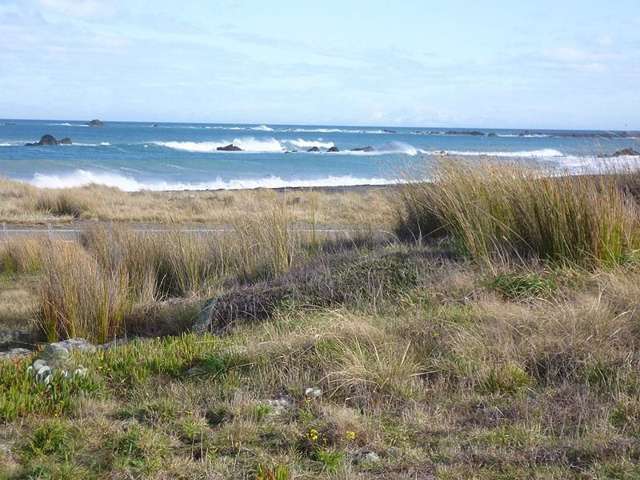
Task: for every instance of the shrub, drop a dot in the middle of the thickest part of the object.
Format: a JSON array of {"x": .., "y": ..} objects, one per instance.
[{"x": 494, "y": 211}]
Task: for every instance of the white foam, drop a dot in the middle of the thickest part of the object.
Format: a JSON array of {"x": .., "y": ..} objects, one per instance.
[
  {"x": 391, "y": 148},
  {"x": 529, "y": 135},
  {"x": 262, "y": 128},
  {"x": 542, "y": 153},
  {"x": 80, "y": 178},
  {"x": 247, "y": 144},
  {"x": 301, "y": 143}
]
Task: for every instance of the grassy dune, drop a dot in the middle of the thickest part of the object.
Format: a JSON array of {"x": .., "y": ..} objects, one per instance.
[
  {"x": 496, "y": 337},
  {"x": 21, "y": 203}
]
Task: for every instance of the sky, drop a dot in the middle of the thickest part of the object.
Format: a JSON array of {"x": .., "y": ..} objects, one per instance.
[{"x": 529, "y": 64}]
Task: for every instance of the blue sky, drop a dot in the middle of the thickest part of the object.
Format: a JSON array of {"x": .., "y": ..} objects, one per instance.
[{"x": 537, "y": 64}]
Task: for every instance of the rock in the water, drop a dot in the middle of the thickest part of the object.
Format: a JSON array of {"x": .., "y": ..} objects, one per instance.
[
  {"x": 44, "y": 140},
  {"x": 65, "y": 141},
  {"x": 313, "y": 149},
  {"x": 96, "y": 123},
  {"x": 229, "y": 148},
  {"x": 333, "y": 150},
  {"x": 14, "y": 353},
  {"x": 363, "y": 149},
  {"x": 626, "y": 152}
]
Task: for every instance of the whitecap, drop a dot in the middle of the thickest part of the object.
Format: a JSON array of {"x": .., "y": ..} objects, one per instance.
[
  {"x": 301, "y": 143},
  {"x": 247, "y": 144}
]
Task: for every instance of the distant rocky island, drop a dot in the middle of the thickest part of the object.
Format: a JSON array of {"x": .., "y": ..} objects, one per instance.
[{"x": 49, "y": 140}]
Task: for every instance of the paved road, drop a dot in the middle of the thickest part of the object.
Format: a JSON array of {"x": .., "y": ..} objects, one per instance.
[{"x": 74, "y": 232}]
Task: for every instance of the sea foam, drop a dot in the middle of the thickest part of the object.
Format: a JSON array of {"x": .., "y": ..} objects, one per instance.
[{"x": 79, "y": 178}]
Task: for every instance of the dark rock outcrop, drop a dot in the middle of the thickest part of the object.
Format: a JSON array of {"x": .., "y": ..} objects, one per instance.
[
  {"x": 313, "y": 149},
  {"x": 333, "y": 150},
  {"x": 473, "y": 133},
  {"x": 229, "y": 148},
  {"x": 47, "y": 140},
  {"x": 363, "y": 149},
  {"x": 96, "y": 123},
  {"x": 626, "y": 152}
]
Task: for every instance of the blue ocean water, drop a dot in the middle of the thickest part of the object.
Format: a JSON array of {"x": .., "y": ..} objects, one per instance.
[{"x": 175, "y": 156}]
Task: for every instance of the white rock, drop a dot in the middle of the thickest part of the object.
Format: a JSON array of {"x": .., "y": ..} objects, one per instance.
[{"x": 313, "y": 392}]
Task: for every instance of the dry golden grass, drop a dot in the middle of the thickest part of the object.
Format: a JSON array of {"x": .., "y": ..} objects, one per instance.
[
  {"x": 21, "y": 203},
  {"x": 505, "y": 211}
]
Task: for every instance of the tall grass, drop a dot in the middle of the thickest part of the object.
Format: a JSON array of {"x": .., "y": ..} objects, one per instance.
[
  {"x": 63, "y": 203},
  {"x": 496, "y": 211},
  {"x": 92, "y": 288},
  {"x": 80, "y": 298},
  {"x": 21, "y": 255}
]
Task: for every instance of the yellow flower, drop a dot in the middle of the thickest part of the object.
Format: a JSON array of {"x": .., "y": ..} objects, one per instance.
[
  {"x": 312, "y": 435},
  {"x": 350, "y": 435}
]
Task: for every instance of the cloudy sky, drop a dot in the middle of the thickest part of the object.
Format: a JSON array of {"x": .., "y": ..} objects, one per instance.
[{"x": 529, "y": 64}]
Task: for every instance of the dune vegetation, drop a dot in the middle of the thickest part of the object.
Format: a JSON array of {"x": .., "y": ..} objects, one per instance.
[
  {"x": 494, "y": 333},
  {"x": 24, "y": 204}
]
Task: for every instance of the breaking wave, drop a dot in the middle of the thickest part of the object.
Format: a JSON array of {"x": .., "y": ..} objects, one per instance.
[
  {"x": 301, "y": 143},
  {"x": 248, "y": 144},
  {"x": 80, "y": 178}
]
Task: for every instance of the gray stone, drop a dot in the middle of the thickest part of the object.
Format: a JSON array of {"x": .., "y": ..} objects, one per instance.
[
  {"x": 79, "y": 344},
  {"x": 54, "y": 354},
  {"x": 366, "y": 457},
  {"x": 14, "y": 353},
  {"x": 313, "y": 392}
]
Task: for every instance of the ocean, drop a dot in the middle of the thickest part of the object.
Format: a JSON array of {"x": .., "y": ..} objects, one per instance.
[{"x": 176, "y": 156}]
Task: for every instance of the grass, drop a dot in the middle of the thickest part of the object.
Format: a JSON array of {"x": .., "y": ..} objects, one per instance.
[
  {"x": 336, "y": 360},
  {"x": 497, "y": 211},
  {"x": 22, "y": 203}
]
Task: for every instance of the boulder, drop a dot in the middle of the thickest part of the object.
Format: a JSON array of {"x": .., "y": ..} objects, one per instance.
[
  {"x": 65, "y": 141},
  {"x": 313, "y": 149},
  {"x": 57, "y": 353},
  {"x": 363, "y": 149},
  {"x": 229, "y": 148},
  {"x": 333, "y": 150},
  {"x": 96, "y": 123},
  {"x": 46, "y": 139}
]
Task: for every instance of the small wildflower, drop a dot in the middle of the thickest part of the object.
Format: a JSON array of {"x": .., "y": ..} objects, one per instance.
[
  {"x": 351, "y": 436},
  {"x": 312, "y": 435}
]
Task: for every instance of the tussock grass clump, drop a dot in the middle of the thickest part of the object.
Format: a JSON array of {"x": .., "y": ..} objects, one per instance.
[
  {"x": 18, "y": 256},
  {"x": 80, "y": 298},
  {"x": 504, "y": 211},
  {"x": 64, "y": 203}
]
